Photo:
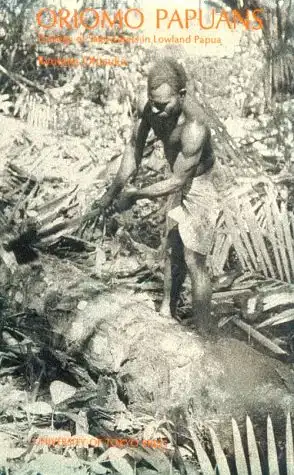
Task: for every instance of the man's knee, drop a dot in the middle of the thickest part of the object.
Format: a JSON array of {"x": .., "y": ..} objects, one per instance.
[{"x": 195, "y": 261}]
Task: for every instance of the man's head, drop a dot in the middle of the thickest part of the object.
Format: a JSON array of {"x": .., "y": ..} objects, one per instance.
[{"x": 166, "y": 87}]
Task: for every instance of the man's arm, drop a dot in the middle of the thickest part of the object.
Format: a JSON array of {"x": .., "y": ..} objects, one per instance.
[
  {"x": 130, "y": 162},
  {"x": 193, "y": 138}
]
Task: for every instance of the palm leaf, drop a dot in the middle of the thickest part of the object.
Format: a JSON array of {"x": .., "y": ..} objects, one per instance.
[
  {"x": 261, "y": 232},
  {"x": 254, "y": 464},
  {"x": 280, "y": 237},
  {"x": 234, "y": 233},
  {"x": 289, "y": 447},
  {"x": 287, "y": 235},
  {"x": 283, "y": 317},
  {"x": 202, "y": 456},
  {"x": 273, "y": 465},
  {"x": 278, "y": 298},
  {"x": 272, "y": 237},
  {"x": 221, "y": 461},
  {"x": 220, "y": 251},
  {"x": 241, "y": 222},
  {"x": 252, "y": 217},
  {"x": 258, "y": 240},
  {"x": 255, "y": 467},
  {"x": 240, "y": 459}
]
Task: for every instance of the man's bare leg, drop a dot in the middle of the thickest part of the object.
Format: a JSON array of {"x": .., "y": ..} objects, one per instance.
[
  {"x": 201, "y": 291},
  {"x": 174, "y": 274},
  {"x": 165, "y": 310}
]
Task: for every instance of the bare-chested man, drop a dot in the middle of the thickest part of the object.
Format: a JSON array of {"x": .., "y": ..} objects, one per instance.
[{"x": 178, "y": 122}]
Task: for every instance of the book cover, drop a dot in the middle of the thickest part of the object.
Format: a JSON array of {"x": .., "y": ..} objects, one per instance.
[{"x": 146, "y": 244}]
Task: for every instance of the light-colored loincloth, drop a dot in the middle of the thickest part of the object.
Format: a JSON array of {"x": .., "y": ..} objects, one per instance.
[{"x": 197, "y": 215}]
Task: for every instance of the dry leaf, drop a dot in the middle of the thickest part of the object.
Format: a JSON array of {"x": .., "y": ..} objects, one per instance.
[{"x": 61, "y": 391}]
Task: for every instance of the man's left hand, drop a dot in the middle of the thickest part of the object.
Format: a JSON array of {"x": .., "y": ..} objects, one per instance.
[{"x": 126, "y": 200}]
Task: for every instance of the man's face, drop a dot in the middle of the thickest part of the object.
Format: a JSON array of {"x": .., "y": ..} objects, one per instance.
[{"x": 164, "y": 101}]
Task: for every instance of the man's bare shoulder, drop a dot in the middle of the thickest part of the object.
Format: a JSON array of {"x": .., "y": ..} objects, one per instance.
[
  {"x": 193, "y": 136},
  {"x": 193, "y": 111}
]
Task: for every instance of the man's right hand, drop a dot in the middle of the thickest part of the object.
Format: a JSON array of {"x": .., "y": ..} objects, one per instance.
[{"x": 102, "y": 203}]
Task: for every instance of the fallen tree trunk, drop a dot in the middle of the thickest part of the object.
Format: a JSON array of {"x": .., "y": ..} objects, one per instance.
[{"x": 160, "y": 367}]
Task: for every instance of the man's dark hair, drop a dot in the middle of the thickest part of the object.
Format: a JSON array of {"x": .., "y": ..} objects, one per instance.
[{"x": 167, "y": 70}]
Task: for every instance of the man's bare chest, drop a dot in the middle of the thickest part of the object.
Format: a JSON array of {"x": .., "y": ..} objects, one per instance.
[
  {"x": 170, "y": 135},
  {"x": 168, "y": 131}
]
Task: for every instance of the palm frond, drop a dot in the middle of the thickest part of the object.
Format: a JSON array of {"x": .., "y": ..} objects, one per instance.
[
  {"x": 283, "y": 317},
  {"x": 202, "y": 456},
  {"x": 273, "y": 466},
  {"x": 254, "y": 219},
  {"x": 289, "y": 447},
  {"x": 247, "y": 462},
  {"x": 240, "y": 459},
  {"x": 221, "y": 461},
  {"x": 253, "y": 454},
  {"x": 260, "y": 229}
]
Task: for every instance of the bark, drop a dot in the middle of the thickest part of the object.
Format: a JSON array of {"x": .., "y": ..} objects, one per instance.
[{"x": 161, "y": 367}]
